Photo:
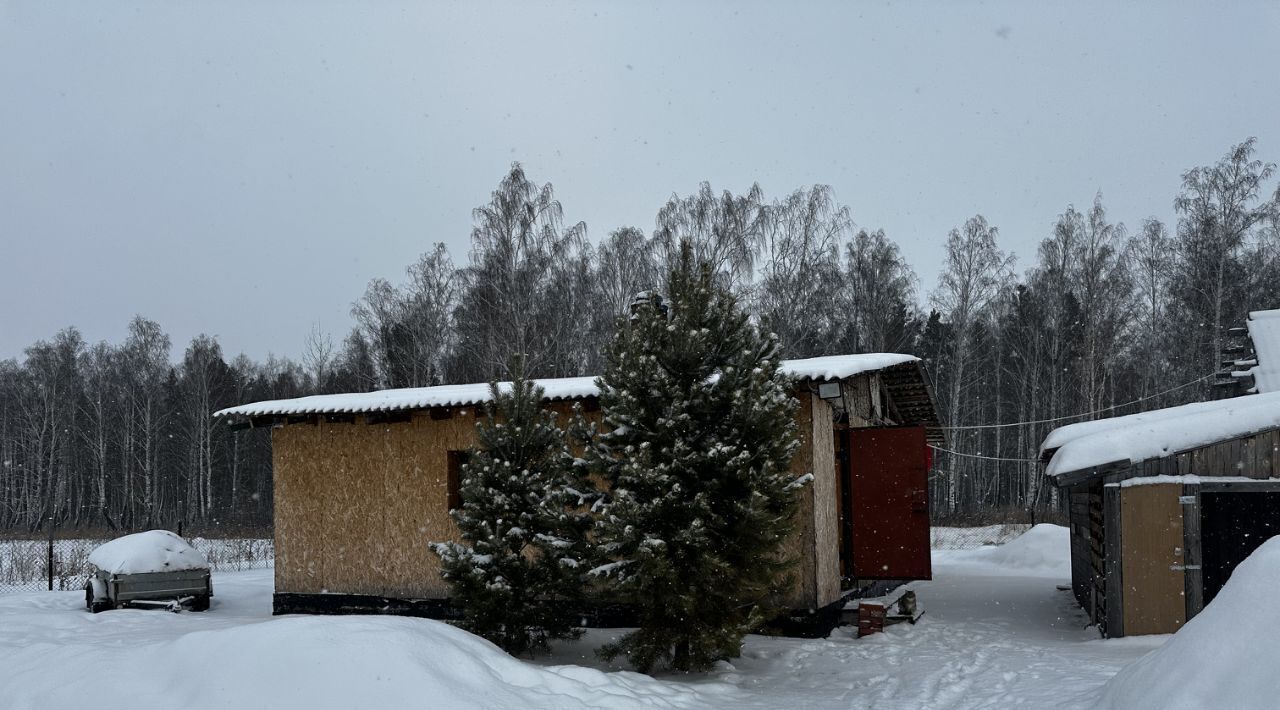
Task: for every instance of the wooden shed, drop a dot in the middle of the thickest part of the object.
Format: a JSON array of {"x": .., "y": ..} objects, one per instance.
[
  {"x": 364, "y": 481},
  {"x": 1164, "y": 505}
]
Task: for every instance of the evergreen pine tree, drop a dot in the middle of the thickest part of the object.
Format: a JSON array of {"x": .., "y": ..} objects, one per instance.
[
  {"x": 700, "y": 436},
  {"x": 518, "y": 571}
]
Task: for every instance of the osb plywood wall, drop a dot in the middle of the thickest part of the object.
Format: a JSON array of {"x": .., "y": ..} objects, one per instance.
[
  {"x": 1151, "y": 543},
  {"x": 825, "y": 514},
  {"x": 357, "y": 504}
]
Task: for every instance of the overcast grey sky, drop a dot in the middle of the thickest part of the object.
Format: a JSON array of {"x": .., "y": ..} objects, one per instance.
[{"x": 245, "y": 168}]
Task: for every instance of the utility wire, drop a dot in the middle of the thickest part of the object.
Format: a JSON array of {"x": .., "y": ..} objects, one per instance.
[
  {"x": 980, "y": 456},
  {"x": 1076, "y": 416}
]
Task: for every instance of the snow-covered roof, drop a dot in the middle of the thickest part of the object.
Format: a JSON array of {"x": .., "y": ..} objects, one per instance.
[
  {"x": 1158, "y": 433},
  {"x": 818, "y": 368},
  {"x": 1264, "y": 331},
  {"x": 838, "y": 367},
  {"x": 408, "y": 398}
]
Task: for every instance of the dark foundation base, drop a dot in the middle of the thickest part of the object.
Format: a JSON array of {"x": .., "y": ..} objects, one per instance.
[
  {"x": 363, "y": 604},
  {"x": 801, "y": 624}
]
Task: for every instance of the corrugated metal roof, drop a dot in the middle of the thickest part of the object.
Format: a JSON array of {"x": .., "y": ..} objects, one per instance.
[{"x": 818, "y": 368}]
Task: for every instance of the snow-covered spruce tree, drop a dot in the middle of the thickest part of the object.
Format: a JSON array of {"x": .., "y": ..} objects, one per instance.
[
  {"x": 518, "y": 571},
  {"x": 700, "y": 436}
]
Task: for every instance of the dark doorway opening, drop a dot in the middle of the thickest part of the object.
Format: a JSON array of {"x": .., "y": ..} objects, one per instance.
[{"x": 1233, "y": 525}]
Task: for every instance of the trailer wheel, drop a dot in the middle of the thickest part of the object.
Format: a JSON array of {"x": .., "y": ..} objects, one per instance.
[
  {"x": 92, "y": 604},
  {"x": 200, "y": 603}
]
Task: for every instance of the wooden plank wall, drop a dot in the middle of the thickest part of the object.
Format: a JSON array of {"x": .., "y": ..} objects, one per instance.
[
  {"x": 859, "y": 403},
  {"x": 803, "y": 543},
  {"x": 1255, "y": 456},
  {"x": 815, "y": 544},
  {"x": 1152, "y": 554},
  {"x": 1113, "y": 583},
  {"x": 1088, "y": 555},
  {"x": 1081, "y": 567},
  {"x": 1097, "y": 552}
]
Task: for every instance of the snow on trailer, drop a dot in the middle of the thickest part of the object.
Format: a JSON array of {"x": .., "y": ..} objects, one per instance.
[{"x": 148, "y": 569}]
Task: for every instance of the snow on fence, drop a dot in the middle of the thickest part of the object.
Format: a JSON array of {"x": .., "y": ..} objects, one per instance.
[
  {"x": 945, "y": 538},
  {"x": 24, "y": 564}
]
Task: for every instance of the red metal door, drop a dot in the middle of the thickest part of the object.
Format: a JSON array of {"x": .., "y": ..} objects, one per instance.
[{"x": 889, "y": 486}]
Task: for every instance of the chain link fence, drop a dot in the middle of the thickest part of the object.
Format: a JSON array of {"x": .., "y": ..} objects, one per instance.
[
  {"x": 25, "y": 564},
  {"x": 969, "y": 538},
  {"x": 63, "y": 564}
]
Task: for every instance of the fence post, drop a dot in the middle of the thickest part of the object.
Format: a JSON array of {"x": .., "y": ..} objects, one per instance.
[{"x": 50, "y": 558}]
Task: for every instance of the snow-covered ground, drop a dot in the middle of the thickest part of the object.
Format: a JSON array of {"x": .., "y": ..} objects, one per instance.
[
  {"x": 1223, "y": 658},
  {"x": 997, "y": 633}
]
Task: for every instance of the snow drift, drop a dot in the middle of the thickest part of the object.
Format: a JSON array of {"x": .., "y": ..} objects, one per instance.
[
  {"x": 318, "y": 663},
  {"x": 1042, "y": 551},
  {"x": 151, "y": 551},
  {"x": 1223, "y": 658}
]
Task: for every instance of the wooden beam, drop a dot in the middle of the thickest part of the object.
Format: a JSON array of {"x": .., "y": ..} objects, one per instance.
[
  {"x": 1193, "y": 574},
  {"x": 1114, "y": 549},
  {"x": 398, "y": 416},
  {"x": 264, "y": 420},
  {"x": 1209, "y": 485}
]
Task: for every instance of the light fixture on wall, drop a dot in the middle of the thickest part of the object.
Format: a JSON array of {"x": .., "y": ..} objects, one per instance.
[{"x": 829, "y": 390}]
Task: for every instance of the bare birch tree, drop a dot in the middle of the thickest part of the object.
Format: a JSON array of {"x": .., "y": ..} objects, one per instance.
[
  {"x": 798, "y": 284},
  {"x": 725, "y": 231},
  {"x": 973, "y": 273},
  {"x": 1219, "y": 208},
  {"x": 512, "y": 300},
  {"x": 878, "y": 296}
]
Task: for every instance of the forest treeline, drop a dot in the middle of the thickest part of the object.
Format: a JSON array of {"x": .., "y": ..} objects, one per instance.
[{"x": 1107, "y": 317}]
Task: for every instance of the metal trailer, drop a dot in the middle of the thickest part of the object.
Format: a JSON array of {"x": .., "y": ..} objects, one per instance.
[{"x": 174, "y": 590}]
